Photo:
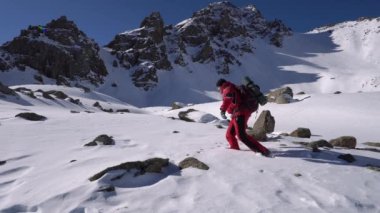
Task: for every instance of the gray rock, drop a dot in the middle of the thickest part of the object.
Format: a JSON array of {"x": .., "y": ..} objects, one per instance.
[
  {"x": 101, "y": 139},
  {"x": 281, "y": 96},
  {"x": 177, "y": 105},
  {"x": 183, "y": 115},
  {"x": 58, "y": 94},
  {"x": 344, "y": 141},
  {"x": 258, "y": 134},
  {"x": 2, "y": 162},
  {"x": 123, "y": 110},
  {"x": 31, "y": 116},
  {"x": 320, "y": 143},
  {"x": 153, "y": 165},
  {"x": 374, "y": 168},
  {"x": 106, "y": 188},
  {"x": 194, "y": 163},
  {"x": 265, "y": 122},
  {"x": 347, "y": 157},
  {"x": 301, "y": 133}
]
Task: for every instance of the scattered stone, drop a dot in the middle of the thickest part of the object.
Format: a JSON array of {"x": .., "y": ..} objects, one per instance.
[
  {"x": 344, "y": 141},
  {"x": 369, "y": 149},
  {"x": 177, "y": 105},
  {"x": 376, "y": 144},
  {"x": 58, "y": 94},
  {"x": 47, "y": 96},
  {"x": 101, "y": 139},
  {"x": 192, "y": 162},
  {"x": 219, "y": 126},
  {"x": 320, "y": 143},
  {"x": 72, "y": 161},
  {"x": 31, "y": 116},
  {"x": 123, "y": 110},
  {"x": 73, "y": 111},
  {"x": 337, "y": 92},
  {"x": 347, "y": 157},
  {"x": 107, "y": 188},
  {"x": 183, "y": 115},
  {"x": 154, "y": 165},
  {"x": 75, "y": 101},
  {"x": 297, "y": 174},
  {"x": 374, "y": 168},
  {"x": 89, "y": 111},
  {"x": 301, "y": 133},
  {"x": 265, "y": 122},
  {"x": 281, "y": 96},
  {"x": 175, "y": 132},
  {"x": 113, "y": 85},
  {"x": 301, "y": 93},
  {"x": 2, "y": 162},
  {"x": 261, "y": 171},
  {"x": 300, "y": 143}
]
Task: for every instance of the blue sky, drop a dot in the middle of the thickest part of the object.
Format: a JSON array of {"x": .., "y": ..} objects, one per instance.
[{"x": 103, "y": 19}]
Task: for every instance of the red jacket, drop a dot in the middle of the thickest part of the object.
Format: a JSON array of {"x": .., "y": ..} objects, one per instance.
[{"x": 232, "y": 102}]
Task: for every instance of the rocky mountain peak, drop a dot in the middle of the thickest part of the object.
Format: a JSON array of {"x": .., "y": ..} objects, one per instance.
[
  {"x": 58, "y": 50},
  {"x": 215, "y": 34}
]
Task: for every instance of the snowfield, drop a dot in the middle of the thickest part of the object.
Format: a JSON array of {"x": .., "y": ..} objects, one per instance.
[{"x": 47, "y": 165}]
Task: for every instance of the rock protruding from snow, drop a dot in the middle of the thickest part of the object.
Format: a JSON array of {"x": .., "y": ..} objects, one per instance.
[
  {"x": 301, "y": 133},
  {"x": 344, "y": 141},
  {"x": 6, "y": 90},
  {"x": 281, "y": 96},
  {"x": 153, "y": 165},
  {"x": 58, "y": 50},
  {"x": 263, "y": 125},
  {"x": 320, "y": 143},
  {"x": 31, "y": 116},
  {"x": 194, "y": 163},
  {"x": 347, "y": 157},
  {"x": 102, "y": 139}
]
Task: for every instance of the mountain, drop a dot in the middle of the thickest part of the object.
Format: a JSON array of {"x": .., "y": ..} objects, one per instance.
[
  {"x": 159, "y": 64},
  {"x": 58, "y": 51}
]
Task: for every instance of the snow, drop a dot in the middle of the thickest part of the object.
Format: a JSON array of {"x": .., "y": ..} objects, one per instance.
[
  {"x": 39, "y": 175},
  {"x": 47, "y": 166}
]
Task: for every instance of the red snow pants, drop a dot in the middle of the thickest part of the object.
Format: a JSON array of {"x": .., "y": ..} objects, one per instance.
[{"x": 238, "y": 126}]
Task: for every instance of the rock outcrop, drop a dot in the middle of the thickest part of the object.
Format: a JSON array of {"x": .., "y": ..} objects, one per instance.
[{"x": 58, "y": 50}]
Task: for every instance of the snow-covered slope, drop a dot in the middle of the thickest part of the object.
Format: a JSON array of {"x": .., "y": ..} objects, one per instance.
[{"x": 47, "y": 167}]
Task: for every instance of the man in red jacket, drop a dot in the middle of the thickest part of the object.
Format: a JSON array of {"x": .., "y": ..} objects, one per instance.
[{"x": 232, "y": 103}]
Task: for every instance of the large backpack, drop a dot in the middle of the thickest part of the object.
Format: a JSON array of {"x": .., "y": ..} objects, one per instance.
[{"x": 251, "y": 95}]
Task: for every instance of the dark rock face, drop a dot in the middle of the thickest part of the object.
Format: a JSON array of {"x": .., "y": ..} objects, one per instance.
[
  {"x": 101, "y": 139},
  {"x": 60, "y": 50},
  {"x": 6, "y": 90},
  {"x": 281, "y": 96},
  {"x": 31, "y": 116},
  {"x": 301, "y": 133},
  {"x": 183, "y": 115},
  {"x": 344, "y": 141},
  {"x": 204, "y": 38},
  {"x": 153, "y": 165},
  {"x": 194, "y": 163}
]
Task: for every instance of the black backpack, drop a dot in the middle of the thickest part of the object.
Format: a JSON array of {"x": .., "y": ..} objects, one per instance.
[{"x": 251, "y": 95}]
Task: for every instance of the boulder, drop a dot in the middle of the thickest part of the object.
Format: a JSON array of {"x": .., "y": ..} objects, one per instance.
[
  {"x": 101, "y": 139},
  {"x": 281, "y": 96},
  {"x": 194, "y": 163},
  {"x": 153, "y": 165},
  {"x": 31, "y": 116},
  {"x": 265, "y": 122},
  {"x": 301, "y": 133},
  {"x": 258, "y": 134},
  {"x": 320, "y": 143},
  {"x": 344, "y": 141},
  {"x": 177, "y": 105}
]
